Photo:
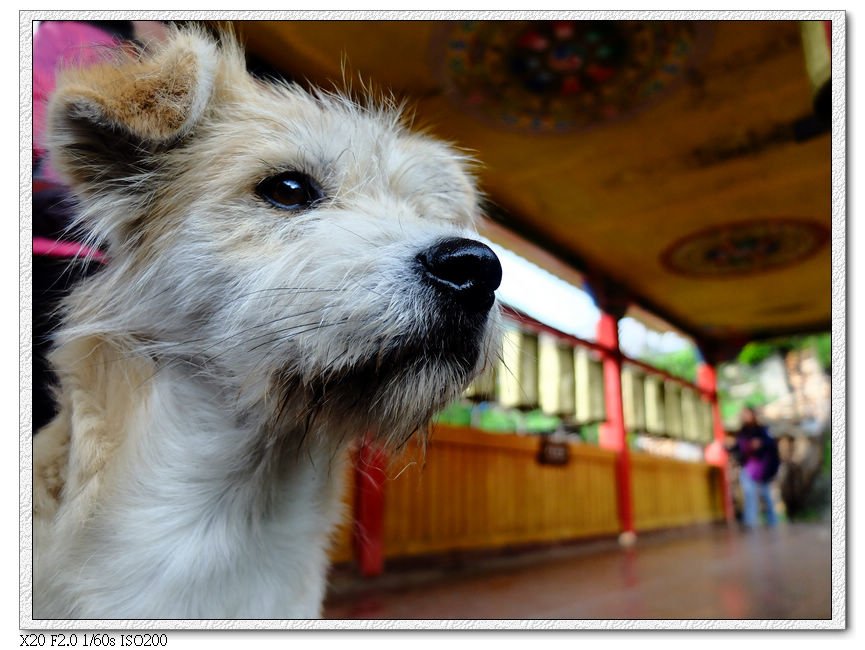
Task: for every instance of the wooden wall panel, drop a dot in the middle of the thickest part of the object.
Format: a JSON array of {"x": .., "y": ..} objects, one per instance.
[
  {"x": 670, "y": 492},
  {"x": 475, "y": 490}
]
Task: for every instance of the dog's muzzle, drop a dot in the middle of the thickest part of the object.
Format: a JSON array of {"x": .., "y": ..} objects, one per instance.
[{"x": 464, "y": 271}]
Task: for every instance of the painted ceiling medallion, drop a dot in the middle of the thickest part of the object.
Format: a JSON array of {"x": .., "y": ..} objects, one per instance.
[
  {"x": 745, "y": 248},
  {"x": 563, "y": 75}
]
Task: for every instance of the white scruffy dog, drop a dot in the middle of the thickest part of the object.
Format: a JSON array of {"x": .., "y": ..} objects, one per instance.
[{"x": 287, "y": 272}]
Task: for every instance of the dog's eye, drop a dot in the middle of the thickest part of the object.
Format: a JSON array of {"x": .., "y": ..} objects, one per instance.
[{"x": 289, "y": 190}]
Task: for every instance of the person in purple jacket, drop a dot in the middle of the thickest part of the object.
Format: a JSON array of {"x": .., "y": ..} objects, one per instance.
[{"x": 758, "y": 456}]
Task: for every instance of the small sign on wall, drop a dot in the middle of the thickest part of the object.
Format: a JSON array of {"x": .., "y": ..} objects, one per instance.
[{"x": 554, "y": 453}]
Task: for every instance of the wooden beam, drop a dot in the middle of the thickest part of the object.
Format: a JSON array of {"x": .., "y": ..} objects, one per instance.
[
  {"x": 612, "y": 434},
  {"x": 716, "y": 452},
  {"x": 369, "y": 509}
]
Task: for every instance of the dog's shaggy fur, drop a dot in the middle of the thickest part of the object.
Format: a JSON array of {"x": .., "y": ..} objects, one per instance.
[{"x": 212, "y": 375}]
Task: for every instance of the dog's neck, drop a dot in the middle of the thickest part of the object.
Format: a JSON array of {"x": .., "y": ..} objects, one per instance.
[{"x": 196, "y": 497}]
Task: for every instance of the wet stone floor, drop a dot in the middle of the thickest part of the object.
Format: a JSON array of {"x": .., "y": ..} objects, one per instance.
[{"x": 709, "y": 573}]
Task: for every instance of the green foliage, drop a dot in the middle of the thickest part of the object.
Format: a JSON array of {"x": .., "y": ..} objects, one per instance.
[
  {"x": 822, "y": 346},
  {"x": 491, "y": 417},
  {"x": 457, "y": 414},
  {"x": 497, "y": 420},
  {"x": 756, "y": 352},
  {"x": 539, "y": 422},
  {"x": 681, "y": 363},
  {"x": 731, "y": 407},
  {"x": 590, "y": 433}
]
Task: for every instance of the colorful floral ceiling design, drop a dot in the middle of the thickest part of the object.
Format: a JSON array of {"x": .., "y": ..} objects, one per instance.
[
  {"x": 745, "y": 248},
  {"x": 555, "y": 76}
]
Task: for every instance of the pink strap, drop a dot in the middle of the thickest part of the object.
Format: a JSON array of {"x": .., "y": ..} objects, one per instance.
[{"x": 63, "y": 249}]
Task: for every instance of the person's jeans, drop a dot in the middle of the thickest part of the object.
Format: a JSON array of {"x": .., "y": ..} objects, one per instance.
[{"x": 752, "y": 493}]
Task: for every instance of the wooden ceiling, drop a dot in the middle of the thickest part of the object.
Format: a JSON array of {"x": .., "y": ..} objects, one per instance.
[{"x": 628, "y": 183}]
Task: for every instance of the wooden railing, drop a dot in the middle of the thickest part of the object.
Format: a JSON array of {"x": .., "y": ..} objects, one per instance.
[
  {"x": 476, "y": 490},
  {"x": 473, "y": 490},
  {"x": 670, "y": 492}
]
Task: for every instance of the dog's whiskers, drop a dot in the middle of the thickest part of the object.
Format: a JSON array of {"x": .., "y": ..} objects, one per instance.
[{"x": 315, "y": 327}]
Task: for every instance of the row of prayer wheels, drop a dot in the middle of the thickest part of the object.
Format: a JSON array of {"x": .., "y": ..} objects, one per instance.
[
  {"x": 660, "y": 406},
  {"x": 538, "y": 371},
  {"x": 541, "y": 372}
]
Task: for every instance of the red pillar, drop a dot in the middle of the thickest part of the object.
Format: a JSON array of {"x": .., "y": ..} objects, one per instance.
[
  {"x": 369, "y": 509},
  {"x": 612, "y": 433},
  {"x": 716, "y": 453}
]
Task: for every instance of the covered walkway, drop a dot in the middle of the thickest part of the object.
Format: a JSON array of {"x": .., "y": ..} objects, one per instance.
[{"x": 706, "y": 573}]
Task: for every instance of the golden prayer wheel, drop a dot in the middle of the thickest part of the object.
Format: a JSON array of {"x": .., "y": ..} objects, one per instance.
[
  {"x": 557, "y": 377},
  {"x": 589, "y": 387},
  {"x": 690, "y": 415},
  {"x": 484, "y": 387},
  {"x": 673, "y": 409},
  {"x": 518, "y": 370},
  {"x": 656, "y": 421},
  {"x": 634, "y": 399},
  {"x": 817, "y": 45},
  {"x": 707, "y": 428}
]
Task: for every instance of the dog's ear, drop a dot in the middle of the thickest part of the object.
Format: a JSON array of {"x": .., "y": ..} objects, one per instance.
[{"x": 105, "y": 121}]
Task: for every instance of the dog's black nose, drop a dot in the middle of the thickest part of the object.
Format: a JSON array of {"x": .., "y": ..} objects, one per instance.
[{"x": 465, "y": 269}]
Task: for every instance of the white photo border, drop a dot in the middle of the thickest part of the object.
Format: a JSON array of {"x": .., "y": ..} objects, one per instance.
[{"x": 839, "y": 320}]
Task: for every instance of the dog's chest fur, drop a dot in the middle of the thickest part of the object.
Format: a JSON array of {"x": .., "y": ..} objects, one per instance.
[{"x": 189, "y": 528}]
